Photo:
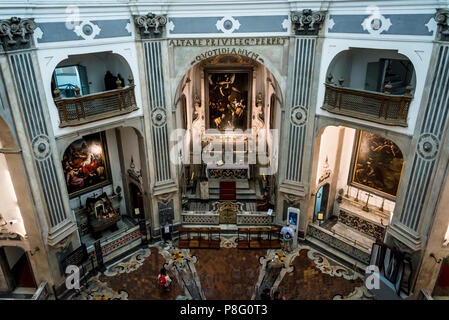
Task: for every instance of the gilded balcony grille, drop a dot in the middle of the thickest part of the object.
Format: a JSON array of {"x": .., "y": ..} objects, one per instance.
[
  {"x": 378, "y": 107},
  {"x": 97, "y": 106}
]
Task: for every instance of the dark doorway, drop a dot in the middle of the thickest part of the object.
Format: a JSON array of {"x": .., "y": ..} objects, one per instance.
[
  {"x": 136, "y": 201},
  {"x": 321, "y": 199},
  {"x": 16, "y": 268}
]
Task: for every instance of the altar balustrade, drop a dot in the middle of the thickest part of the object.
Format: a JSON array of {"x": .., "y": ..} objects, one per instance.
[{"x": 213, "y": 218}]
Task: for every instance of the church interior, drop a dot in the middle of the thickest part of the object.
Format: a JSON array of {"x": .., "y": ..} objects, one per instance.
[{"x": 257, "y": 151}]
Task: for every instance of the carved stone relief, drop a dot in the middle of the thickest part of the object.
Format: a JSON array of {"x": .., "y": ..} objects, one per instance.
[
  {"x": 307, "y": 22},
  {"x": 15, "y": 33}
]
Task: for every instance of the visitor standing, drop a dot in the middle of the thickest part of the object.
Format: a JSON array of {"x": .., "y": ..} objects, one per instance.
[{"x": 287, "y": 233}]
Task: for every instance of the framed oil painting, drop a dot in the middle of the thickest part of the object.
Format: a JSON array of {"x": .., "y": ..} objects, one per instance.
[
  {"x": 228, "y": 99},
  {"x": 377, "y": 164},
  {"x": 86, "y": 165}
]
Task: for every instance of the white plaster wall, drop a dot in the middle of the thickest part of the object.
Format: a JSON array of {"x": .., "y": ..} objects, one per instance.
[
  {"x": 9, "y": 208},
  {"x": 328, "y": 149},
  {"x": 130, "y": 145},
  {"x": 352, "y": 66},
  {"x": 114, "y": 162},
  {"x": 96, "y": 66},
  {"x": 418, "y": 52},
  {"x": 346, "y": 155}
]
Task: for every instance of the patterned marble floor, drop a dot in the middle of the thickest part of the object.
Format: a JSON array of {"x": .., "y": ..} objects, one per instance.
[
  {"x": 226, "y": 273},
  {"x": 320, "y": 280}
]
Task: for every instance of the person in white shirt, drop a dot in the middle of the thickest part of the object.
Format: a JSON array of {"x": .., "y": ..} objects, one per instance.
[{"x": 287, "y": 233}]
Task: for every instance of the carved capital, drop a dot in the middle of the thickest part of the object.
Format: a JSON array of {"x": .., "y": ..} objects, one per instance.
[
  {"x": 15, "y": 33},
  {"x": 307, "y": 22},
  {"x": 442, "y": 19},
  {"x": 150, "y": 25}
]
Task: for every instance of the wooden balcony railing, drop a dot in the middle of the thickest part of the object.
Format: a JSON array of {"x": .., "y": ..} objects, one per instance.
[
  {"x": 378, "y": 107},
  {"x": 96, "y": 106}
]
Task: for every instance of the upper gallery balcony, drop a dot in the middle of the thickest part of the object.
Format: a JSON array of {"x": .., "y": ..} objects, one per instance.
[
  {"x": 379, "y": 86},
  {"x": 85, "y": 88}
]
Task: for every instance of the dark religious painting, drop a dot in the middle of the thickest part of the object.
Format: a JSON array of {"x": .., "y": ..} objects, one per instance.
[
  {"x": 228, "y": 99},
  {"x": 85, "y": 164},
  {"x": 377, "y": 164}
]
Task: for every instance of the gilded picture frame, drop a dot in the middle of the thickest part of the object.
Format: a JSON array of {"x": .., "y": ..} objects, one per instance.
[
  {"x": 377, "y": 165},
  {"x": 86, "y": 164},
  {"x": 228, "y": 98}
]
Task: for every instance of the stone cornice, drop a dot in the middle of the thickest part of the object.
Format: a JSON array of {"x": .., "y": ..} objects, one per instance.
[{"x": 16, "y": 33}]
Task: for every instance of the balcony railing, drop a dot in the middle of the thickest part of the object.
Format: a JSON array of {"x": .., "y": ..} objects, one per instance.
[
  {"x": 378, "y": 107},
  {"x": 96, "y": 106}
]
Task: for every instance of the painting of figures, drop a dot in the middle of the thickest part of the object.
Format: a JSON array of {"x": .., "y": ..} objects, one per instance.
[
  {"x": 228, "y": 96},
  {"x": 377, "y": 164},
  {"x": 85, "y": 164}
]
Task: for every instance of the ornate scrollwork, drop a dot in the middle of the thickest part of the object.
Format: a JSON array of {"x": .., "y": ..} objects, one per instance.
[
  {"x": 15, "y": 33},
  {"x": 299, "y": 115},
  {"x": 307, "y": 22},
  {"x": 442, "y": 19},
  {"x": 6, "y": 233},
  {"x": 428, "y": 145},
  {"x": 159, "y": 117},
  {"x": 151, "y": 25},
  {"x": 41, "y": 147}
]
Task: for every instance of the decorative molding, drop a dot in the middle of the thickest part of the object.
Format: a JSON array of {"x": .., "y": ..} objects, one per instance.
[
  {"x": 325, "y": 171},
  {"x": 307, "y": 22},
  {"x": 292, "y": 190},
  {"x": 16, "y": 33},
  {"x": 6, "y": 233},
  {"x": 376, "y": 23},
  {"x": 41, "y": 147},
  {"x": 432, "y": 26},
  {"x": 299, "y": 115},
  {"x": 133, "y": 173},
  {"x": 151, "y": 25},
  {"x": 227, "y": 24},
  {"x": 442, "y": 19},
  {"x": 87, "y": 30},
  {"x": 292, "y": 200},
  {"x": 165, "y": 198},
  {"x": 158, "y": 117},
  {"x": 428, "y": 145}
]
